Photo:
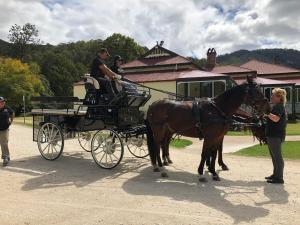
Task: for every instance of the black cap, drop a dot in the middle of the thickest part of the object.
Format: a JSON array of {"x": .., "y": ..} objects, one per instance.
[
  {"x": 2, "y": 99},
  {"x": 118, "y": 57},
  {"x": 104, "y": 50}
]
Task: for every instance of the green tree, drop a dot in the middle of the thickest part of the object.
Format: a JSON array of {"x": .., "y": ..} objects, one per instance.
[
  {"x": 18, "y": 79},
  {"x": 61, "y": 73},
  {"x": 22, "y": 37},
  {"x": 118, "y": 44}
]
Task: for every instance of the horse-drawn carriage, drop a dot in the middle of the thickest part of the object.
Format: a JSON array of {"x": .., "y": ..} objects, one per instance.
[{"x": 103, "y": 126}]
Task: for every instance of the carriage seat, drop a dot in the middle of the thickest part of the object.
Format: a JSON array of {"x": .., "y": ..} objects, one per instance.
[{"x": 90, "y": 83}]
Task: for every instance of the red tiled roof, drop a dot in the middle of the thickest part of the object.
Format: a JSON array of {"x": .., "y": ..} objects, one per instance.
[
  {"x": 163, "y": 60},
  {"x": 295, "y": 81},
  {"x": 264, "y": 81},
  {"x": 231, "y": 69},
  {"x": 198, "y": 74},
  {"x": 268, "y": 68},
  {"x": 172, "y": 76}
]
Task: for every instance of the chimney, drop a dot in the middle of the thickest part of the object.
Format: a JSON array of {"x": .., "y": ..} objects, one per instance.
[{"x": 211, "y": 58}]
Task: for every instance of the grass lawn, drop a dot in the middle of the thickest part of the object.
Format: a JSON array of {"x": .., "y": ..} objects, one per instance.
[
  {"x": 290, "y": 150},
  {"x": 180, "y": 143},
  {"x": 291, "y": 129}
]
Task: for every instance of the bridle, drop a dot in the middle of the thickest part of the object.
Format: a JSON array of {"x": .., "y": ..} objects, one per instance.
[{"x": 252, "y": 97}]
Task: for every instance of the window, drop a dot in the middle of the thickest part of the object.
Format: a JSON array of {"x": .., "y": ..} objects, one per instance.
[
  {"x": 288, "y": 94},
  {"x": 297, "y": 94},
  {"x": 201, "y": 88},
  {"x": 268, "y": 93},
  {"x": 219, "y": 88},
  {"x": 195, "y": 89},
  {"x": 206, "y": 89},
  {"x": 182, "y": 89}
]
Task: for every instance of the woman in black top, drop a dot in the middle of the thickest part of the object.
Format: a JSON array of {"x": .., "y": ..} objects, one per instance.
[
  {"x": 116, "y": 68},
  {"x": 275, "y": 132}
]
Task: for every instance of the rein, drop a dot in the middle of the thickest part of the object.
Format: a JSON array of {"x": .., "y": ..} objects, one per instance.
[{"x": 161, "y": 91}]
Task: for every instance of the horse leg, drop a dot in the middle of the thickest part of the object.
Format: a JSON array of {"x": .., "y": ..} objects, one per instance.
[
  {"x": 157, "y": 137},
  {"x": 212, "y": 166},
  {"x": 168, "y": 149},
  {"x": 208, "y": 160},
  {"x": 220, "y": 157},
  {"x": 204, "y": 155},
  {"x": 164, "y": 152}
]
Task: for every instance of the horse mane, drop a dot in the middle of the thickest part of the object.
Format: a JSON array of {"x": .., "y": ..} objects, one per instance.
[{"x": 233, "y": 95}]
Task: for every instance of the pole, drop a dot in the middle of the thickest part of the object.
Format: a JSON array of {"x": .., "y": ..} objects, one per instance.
[{"x": 24, "y": 108}]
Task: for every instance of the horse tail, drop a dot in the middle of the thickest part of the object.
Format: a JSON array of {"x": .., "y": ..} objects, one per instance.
[{"x": 150, "y": 142}]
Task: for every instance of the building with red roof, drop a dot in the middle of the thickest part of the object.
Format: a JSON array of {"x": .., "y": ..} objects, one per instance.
[
  {"x": 268, "y": 75},
  {"x": 163, "y": 69}
]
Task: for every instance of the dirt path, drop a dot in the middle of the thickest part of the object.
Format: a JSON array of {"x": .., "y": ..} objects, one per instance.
[{"x": 73, "y": 190}]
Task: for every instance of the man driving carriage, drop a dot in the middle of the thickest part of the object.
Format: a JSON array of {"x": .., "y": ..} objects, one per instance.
[{"x": 102, "y": 73}]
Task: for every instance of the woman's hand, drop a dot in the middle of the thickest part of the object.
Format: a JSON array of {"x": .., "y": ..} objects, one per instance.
[{"x": 273, "y": 117}]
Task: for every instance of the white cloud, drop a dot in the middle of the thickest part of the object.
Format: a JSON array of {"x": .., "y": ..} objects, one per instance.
[{"x": 187, "y": 27}]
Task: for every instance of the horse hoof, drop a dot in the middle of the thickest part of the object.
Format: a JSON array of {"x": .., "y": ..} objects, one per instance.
[
  {"x": 156, "y": 169},
  {"x": 164, "y": 174},
  {"x": 216, "y": 178},
  {"x": 202, "y": 179},
  {"x": 170, "y": 161},
  {"x": 225, "y": 168},
  {"x": 166, "y": 163}
]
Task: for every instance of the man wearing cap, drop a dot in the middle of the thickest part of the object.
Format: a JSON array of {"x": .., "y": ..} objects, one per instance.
[
  {"x": 102, "y": 73},
  {"x": 6, "y": 118}
]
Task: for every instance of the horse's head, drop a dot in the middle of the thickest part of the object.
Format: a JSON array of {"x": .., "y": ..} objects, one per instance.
[{"x": 255, "y": 98}]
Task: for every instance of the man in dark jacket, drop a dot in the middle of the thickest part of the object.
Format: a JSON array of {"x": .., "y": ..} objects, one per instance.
[
  {"x": 6, "y": 118},
  {"x": 102, "y": 73}
]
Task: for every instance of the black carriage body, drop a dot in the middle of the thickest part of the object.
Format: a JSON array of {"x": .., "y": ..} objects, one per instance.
[
  {"x": 73, "y": 115},
  {"x": 103, "y": 126}
]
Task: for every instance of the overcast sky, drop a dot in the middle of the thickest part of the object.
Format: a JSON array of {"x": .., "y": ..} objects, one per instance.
[{"x": 188, "y": 27}]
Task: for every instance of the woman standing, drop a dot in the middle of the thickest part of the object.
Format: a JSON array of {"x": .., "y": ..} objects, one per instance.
[{"x": 275, "y": 132}]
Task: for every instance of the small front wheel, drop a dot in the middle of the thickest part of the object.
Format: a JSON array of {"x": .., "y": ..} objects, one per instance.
[
  {"x": 107, "y": 148},
  {"x": 85, "y": 140},
  {"x": 137, "y": 146},
  {"x": 50, "y": 141}
]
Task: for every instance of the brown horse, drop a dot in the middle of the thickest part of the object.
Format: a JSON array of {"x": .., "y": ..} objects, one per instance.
[
  {"x": 255, "y": 125},
  {"x": 167, "y": 117}
]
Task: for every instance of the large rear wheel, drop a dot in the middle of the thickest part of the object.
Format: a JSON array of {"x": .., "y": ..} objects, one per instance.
[
  {"x": 107, "y": 148},
  {"x": 50, "y": 141}
]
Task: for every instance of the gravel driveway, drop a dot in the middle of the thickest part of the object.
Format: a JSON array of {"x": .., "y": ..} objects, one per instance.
[{"x": 73, "y": 190}]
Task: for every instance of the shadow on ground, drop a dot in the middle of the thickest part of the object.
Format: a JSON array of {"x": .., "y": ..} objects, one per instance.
[
  {"x": 182, "y": 186},
  {"x": 70, "y": 169}
]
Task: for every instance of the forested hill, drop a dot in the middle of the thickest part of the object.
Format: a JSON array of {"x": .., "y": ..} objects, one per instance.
[
  {"x": 64, "y": 64},
  {"x": 287, "y": 57}
]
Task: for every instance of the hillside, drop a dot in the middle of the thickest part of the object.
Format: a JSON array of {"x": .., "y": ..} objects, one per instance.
[{"x": 287, "y": 57}]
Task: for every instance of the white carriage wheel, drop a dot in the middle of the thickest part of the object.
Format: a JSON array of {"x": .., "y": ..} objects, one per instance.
[
  {"x": 107, "y": 148},
  {"x": 50, "y": 141},
  {"x": 137, "y": 146},
  {"x": 85, "y": 140}
]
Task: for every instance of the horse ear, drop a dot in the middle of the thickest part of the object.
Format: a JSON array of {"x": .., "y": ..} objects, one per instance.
[{"x": 249, "y": 79}]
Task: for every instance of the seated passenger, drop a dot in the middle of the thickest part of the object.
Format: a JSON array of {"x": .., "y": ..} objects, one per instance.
[
  {"x": 102, "y": 73},
  {"x": 116, "y": 68}
]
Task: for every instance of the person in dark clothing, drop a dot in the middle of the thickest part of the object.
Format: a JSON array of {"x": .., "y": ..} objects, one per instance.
[
  {"x": 275, "y": 132},
  {"x": 6, "y": 118},
  {"x": 116, "y": 68},
  {"x": 102, "y": 73}
]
